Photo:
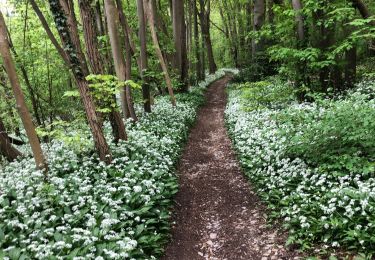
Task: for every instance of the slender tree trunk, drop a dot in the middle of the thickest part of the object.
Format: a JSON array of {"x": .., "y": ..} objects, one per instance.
[
  {"x": 51, "y": 36},
  {"x": 351, "y": 62},
  {"x": 297, "y": 7},
  {"x": 68, "y": 9},
  {"x": 179, "y": 36},
  {"x": 79, "y": 76},
  {"x": 120, "y": 66},
  {"x": 259, "y": 11},
  {"x": 30, "y": 89},
  {"x": 365, "y": 13},
  {"x": 20, "y": 99},
  {"x": 231, "y": 29},
  {"x": 205, "y": 26},
  {"x": 95, "y": 60},
  {"x": 198, "y": 65},
  {"x": 143, "y": 55},
  {"x": 128, "y": 58},
  {"x": 151, "y": 21},
  {"x": 162, "y": 27},
  {"x": 90, "y": 34}
]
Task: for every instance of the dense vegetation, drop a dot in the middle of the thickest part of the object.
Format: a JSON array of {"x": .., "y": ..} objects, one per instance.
[
  {"x": 88, "y": 208},
  {"x": 313, "y": 163},
  {"x": 97, "y": 97}
]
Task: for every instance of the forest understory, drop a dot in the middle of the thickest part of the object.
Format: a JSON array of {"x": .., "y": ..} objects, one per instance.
[{"x": 187, "y": 129}]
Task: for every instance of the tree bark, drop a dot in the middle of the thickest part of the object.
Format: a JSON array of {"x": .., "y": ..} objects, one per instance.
[
  {"x": 259, "y": 11},
  {"x": 118, "y": 58},
  {"x": 68, "y": 9},
  {"x": 30, "y": 89},
  {"x": 179, "y": 36},
  {"x": 128, "y": 58},
  {"x": 51, "y": 36},
  {"x": 365, "y": 13},
  {"x": 96, "y": 63},
  {"x": 205, "y": 27},
  {"x": 90, "y": 34},
  {"x": 143, "y": 55},
  {"x": 20, "y": 99},
  {"x": 77, "y": 66},
  {"x": 151, "y": 22},
  {"x": 297, "y": 7},
  {"x": 198, "y": 65}
]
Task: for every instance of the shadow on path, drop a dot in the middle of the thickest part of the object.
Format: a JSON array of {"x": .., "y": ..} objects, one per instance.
[{"x": 217, "y": 214}]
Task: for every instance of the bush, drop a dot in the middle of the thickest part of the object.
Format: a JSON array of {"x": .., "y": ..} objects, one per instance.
[
  {"x": 314, "y": 166},
  {"x": 259, "y": 68},
  {"x": 265, "y": 94}
]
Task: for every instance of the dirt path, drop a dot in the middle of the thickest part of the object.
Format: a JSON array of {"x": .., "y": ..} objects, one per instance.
[{"x": 217, "y": 214}]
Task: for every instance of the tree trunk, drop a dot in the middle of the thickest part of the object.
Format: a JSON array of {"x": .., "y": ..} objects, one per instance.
[
  {"x": 68, "y": 9},
  {"x": 51, "y": 36},
  {"x": 90, "y": 34},
  {"x": 128, "y": 57},
  {"x": 106, "y": 56},
  {"x": 79, "y": 76},
  {"x": 118, "y": 58},
  {"x": 30, "y": 89},
  {"x": 20, "y": 99},
  {"x": 297, "y": 7},
  {"x": 179, "y": 36},
  {"x": 143, "y": 55},
  {"x": 6, "y": 148},
  {"x": 151, "y": 22},
  {"x": 205, "y": 27},
  {"x": 365, "y": 13},
  {"x": 258, "y": 21},
  {"x": 198, "y": 65},
  {"x": 92, "y": 48}
]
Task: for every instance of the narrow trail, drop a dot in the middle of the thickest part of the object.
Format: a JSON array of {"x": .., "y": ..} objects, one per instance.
[{"x": 217, "y": 214}]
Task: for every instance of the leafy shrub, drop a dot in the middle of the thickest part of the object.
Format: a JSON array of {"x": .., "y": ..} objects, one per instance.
[
  {"x": 334, "y": 136},
  {"x": 265, "y": 94},
  {"x": 259, "y": 68},
  {"x": 314, "y": 166}
]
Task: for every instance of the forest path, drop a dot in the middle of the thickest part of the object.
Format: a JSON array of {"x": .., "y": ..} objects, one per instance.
[{"x": 217, "y": 214}]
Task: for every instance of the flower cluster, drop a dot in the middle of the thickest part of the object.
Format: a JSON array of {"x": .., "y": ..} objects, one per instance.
[
  {"x": 313, "y": 164},
  {"x": 90, "y": 210}
]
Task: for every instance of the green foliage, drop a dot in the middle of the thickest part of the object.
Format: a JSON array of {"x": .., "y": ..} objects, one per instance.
[
  {"x": 259, "y": 68},
  {"x": 313, "y": 164},
  {"x": 335, "y": 136},
  {"x": 265, "y": 94},
  {"x": 73, "y": 134}
]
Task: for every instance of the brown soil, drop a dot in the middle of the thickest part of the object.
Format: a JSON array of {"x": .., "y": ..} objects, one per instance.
[{"x": 217, "y": 213}]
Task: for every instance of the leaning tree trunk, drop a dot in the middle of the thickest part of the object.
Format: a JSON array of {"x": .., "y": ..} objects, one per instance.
[
  {"x": 79, "y": 76},
  {"x": 143, "y": 54},
  {"x": 96, "y": 63},
  {"x": 365, "y": 13},
  {"x": 50, "y": 34},
  {"x": 20, "y": 99},
  {"x": 151, "y": 22},
  {"x": 68, "y": 8}
]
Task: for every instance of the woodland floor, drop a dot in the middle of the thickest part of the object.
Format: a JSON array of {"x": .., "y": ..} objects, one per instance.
[{"x": 217, "y": 213}]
